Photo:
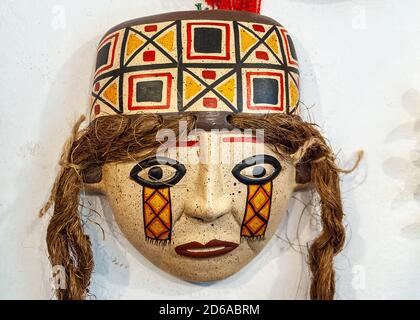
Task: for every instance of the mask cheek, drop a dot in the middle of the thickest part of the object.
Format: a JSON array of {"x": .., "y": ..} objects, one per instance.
[
  {"x": 157, "y": 214},
  {"x": 257, "y": 211}
]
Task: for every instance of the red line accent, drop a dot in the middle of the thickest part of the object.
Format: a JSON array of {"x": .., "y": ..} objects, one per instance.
[
  {"x": 258, "y": 28},
  {"x": 97, "y": 109},
  {"x": 190, "y": 56},
  {"x": 268, "y": 107},
  {"x": 209, "y": 74},
  {"x": 242, "y": 139},
  {"x": 151, "y": 28},
  {"x": 290, "y": 59},
  {"x": 189, "y": 144},
  {"x": 149, "y": 75},
  {"x": 210, "y": 103},
  {"x": 114, "y": 46},
  {"x": 261, "y": 55}
]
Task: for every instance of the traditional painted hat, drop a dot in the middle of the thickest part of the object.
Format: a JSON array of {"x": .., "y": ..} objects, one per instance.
[{"x": 212, "y": 61}]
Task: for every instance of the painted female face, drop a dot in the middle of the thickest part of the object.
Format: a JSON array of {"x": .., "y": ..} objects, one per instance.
[
  {"x": 204, "y": 209},
  {"x": 200, "y": 220}
]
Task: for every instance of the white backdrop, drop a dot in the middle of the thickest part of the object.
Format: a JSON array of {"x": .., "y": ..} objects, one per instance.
[{"x": 360, "y": 65}]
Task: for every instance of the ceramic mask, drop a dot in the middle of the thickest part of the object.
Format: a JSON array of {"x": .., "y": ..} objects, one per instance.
[{"x": 192, "y": 212}]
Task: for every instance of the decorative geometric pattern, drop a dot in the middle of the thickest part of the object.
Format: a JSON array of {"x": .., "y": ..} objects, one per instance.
[
  {"x": 208, "y": 41},
  {"x": 157, "y": 214},
  {"x": 192, "y": 65},
  {"x": 149, "y": 91},
  {"x": 106, "y": 58},
  {"x": 257, "y": 211},
  {"x": 265, "y": 90}
]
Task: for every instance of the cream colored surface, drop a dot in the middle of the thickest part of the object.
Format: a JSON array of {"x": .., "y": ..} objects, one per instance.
[{"x": 208, "y": 203}]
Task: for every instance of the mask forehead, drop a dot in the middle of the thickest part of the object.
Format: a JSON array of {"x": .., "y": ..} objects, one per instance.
[
  {"x": 201, "y": 62},
  {"x": 216, "y": 147}
]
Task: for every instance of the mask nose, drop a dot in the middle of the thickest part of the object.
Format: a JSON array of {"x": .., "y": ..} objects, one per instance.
[{"x": 209, "y": 201}]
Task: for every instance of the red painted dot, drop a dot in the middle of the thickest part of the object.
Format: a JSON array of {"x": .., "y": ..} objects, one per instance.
[
  {"x": 210, "y": 103},
  {"x": 97, "y": 86},
  {"x": 97, "y": 109},
  {"x": 151, "y": 28},
  {"x": 209, "y": 74},
  {"x": 258, "y": 28},
  {"x": 261, "y": 55},
  {"x": 149, "y": 56}
]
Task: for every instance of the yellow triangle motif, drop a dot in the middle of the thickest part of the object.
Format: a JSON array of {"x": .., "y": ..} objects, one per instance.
[
  {"x": 148, "y": 214},
  {"x": 111, "y": 93},
  {"x": 167, "y": 40},
  {"x": 249, "y": 213},
  {"x": 165, "y": 215},
  {"x": 192, "y": 87},
  {"x": 265, "y": 211},
  {"x": 133, "y": 43},
  {"x": 273, "y": 43},
  {"x": 245, "y": 232},
  {"x": 147, "y": 192},
  {"x": 267, "y": 187},
  {"x": 261, "y": 231},
  {"x": 227, "y": 89},
  {"x": 251, "y": 190},
  {"x": 165, "y": 193},
  {"x": 294, "y": 94},
  {"x": 247, "y": 40}
]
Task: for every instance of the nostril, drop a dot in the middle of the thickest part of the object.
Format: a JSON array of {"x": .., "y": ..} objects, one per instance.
[{"x": 206, "y": 217}]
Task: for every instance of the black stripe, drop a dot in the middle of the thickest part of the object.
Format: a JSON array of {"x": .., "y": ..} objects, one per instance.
[
  {"x": 180, "y": 66},
  {"x": 121, "y": 75},
  {"x": 239, "y": 87}
]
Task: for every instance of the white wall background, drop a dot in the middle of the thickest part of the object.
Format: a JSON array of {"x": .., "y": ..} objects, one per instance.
[{"x": 360, "y": 63}]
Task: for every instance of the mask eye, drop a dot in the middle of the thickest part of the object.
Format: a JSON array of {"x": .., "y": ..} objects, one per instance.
[
  {"x": 158, "y": 172},
  {"x": 257, "y": 169}
]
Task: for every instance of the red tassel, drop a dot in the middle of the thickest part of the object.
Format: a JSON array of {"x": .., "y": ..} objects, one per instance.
[{"x": 240, "y": 5}]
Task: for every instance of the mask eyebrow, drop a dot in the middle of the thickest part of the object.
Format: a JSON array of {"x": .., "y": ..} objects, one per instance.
[
  {"x": 242, "y": 139},
  {"x": 188, "y": 143}
]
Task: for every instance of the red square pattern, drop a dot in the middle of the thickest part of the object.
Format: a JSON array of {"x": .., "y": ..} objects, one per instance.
[
  {"x": 192, "y": 56},
  {"x": 152, "y": 76},
  {"x": 114, "y": 40},
  {"x": 279, "y": 107},
  {"x": 290, "y": 59}
]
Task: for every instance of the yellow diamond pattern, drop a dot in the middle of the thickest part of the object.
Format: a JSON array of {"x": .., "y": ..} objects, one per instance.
[
  {"x": 255, "y": 221},
  {"x": 157, "y": 213}
]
